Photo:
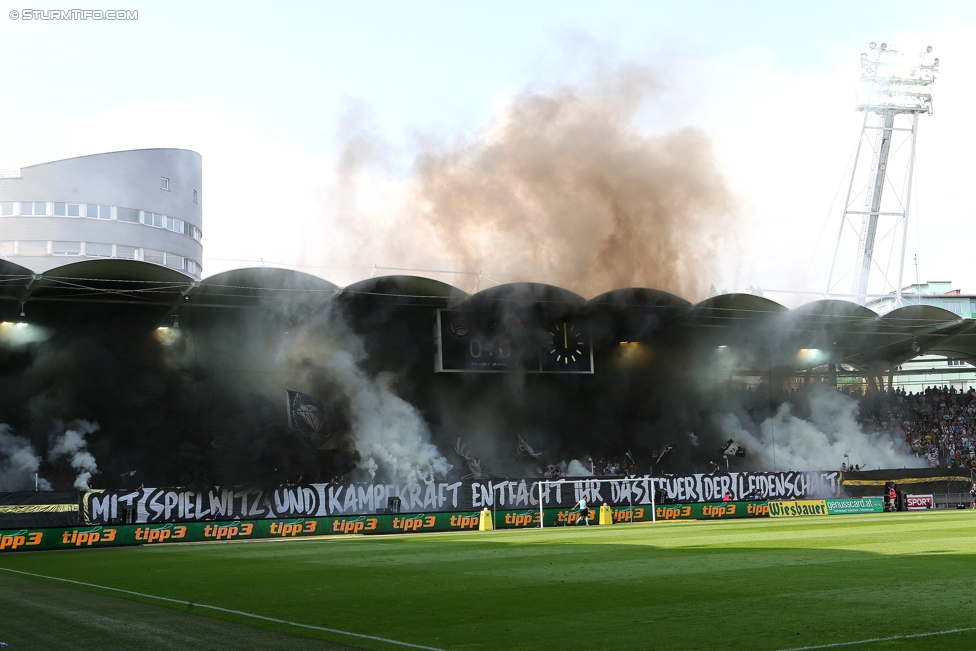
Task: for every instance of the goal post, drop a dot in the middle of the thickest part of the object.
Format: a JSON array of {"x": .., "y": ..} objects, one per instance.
[{"x": 592, "y": 480}]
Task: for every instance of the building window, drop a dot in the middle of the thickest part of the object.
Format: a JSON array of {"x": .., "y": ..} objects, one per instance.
[
  {"x": 98, "y": 250},
  {"x": 152, "y": 219},
  {"x": 953, "y": 306},
  {"x": 32, "y": 247},
  {"x": 195, "y": 200},
  {"x": 126, "y": 252},
  {"x": 66, "y": 209},
  {"x": 66, "y": 248},
  {"x": 7, "y": 209},
  {"x": 36, "y": 208},
  {"x": 164, "y": 183},
  {"x": 130, "y": 215},
  {"x": 150, "y": 255},
  {"x": 175, "y": 225},
  {"x": 98, "y": 212},
  {"x": 954, "y": 362},
  {"x": 174, "y": 261},
  {"x": 192, "y": 231}
]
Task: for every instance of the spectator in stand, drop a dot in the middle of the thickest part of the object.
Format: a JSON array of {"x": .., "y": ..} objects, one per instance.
[{"x": 939, "y": 424}]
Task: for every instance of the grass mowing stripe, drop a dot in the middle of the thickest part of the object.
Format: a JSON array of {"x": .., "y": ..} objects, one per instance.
[
  {"x": 881, "y": 639},
  {"x": 227, "y": 610}
]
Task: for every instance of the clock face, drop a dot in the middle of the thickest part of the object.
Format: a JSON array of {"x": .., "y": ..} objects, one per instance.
[{"x": 567, "y": 345}]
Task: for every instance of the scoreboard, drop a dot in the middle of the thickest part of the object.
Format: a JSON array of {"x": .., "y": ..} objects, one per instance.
[{"x": 485, "y": 342}]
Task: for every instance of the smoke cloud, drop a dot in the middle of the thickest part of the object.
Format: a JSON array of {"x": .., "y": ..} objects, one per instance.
[
  {"x": 18, "y": 463},
  {"x": 564, "y": 187},
  {"x": 388, "y": 433},
  {"x": 576, "y": 468},
  {"x": 567, "y": 185},
  {"x": 786, "y": 440},
  {"x": 71, "y": 445}
]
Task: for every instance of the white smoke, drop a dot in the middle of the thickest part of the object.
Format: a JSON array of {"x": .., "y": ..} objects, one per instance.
[
  {"x": 71, "y": 445},
  {"x": 388, "y": 432},
  {"x": 18, "y": 463},
  {"x": 577, "y": 469},
  {"x": 786, "y": 441}
]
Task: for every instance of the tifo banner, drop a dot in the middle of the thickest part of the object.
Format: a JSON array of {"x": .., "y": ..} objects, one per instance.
[
  {"x": 151, "y": 534},
  {"x": 797, "y": 508},
  {"x": 155, "y": 505},
  {"x": 855, "y": 505}
]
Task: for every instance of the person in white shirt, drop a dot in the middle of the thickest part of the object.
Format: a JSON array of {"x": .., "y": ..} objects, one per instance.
[{"x": 584, "y": 512}]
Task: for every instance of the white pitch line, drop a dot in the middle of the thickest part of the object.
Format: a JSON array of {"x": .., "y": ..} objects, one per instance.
[
  {"x": 881, "y": 639},
  {"x": 227, "y": 610}
]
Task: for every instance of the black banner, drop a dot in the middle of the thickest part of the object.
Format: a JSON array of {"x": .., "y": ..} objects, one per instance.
[
  {"x": 39, "y": 509},
  {"x": 154, "y": 505}
]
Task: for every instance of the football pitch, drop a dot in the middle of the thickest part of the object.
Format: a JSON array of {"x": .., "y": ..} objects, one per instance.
[{"x": 881, "y": 581}]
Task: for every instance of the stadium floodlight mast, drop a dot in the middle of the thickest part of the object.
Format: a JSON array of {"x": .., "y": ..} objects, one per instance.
[{"x": 894, "y": 91}]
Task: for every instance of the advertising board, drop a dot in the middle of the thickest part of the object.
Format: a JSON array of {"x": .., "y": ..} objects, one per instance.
[
  {"x": 847, "y": 506},
  {"x": 797, "y": 508},
  {"x": 151, "y": 534},
  {"x": 919, "y": 502}
]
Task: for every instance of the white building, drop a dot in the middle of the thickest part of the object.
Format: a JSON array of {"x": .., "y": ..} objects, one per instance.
[
  {"x": 143, "y": 204},
  {"x": 933, "y": 370}
]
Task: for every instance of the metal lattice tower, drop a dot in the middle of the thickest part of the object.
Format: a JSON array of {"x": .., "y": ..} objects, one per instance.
[{"x": 894, "y": 91}]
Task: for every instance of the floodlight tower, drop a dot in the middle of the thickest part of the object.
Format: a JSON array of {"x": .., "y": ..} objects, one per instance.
[{"x": 894, "y": 91}]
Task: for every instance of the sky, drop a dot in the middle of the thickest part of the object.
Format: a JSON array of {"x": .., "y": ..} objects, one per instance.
[{"x": 272, "y": 95}]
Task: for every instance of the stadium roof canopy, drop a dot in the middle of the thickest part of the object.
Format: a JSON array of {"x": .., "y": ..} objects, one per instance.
[
  {"x": 266, "y": 286},
  {"x": 837, "y": 331},
  {"x": 402, "y": 290}
]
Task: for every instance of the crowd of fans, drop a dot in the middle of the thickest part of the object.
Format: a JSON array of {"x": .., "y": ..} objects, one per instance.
[
  {"x": 939, "y": 424},
  {"x": 608, "y": 467}
]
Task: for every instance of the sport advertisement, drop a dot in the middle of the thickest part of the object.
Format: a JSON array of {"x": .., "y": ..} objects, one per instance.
[
  {"x": 151, "y": 534},
  {"x": 158, "y": 505}
]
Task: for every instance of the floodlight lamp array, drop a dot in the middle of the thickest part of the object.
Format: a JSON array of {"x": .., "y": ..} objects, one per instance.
[{"x": 890, "y": 80}]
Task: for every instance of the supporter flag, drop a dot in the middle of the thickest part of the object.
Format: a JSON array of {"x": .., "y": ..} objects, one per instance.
[
  {"x": 473, "y": 464},
  {"x": 630, "y": 455},
  {"x": 733, "y": 449},
  {"x": 310, "y": 416},
  {"x": 523, "y": 450},
  {"x": 660, "y": 454}
]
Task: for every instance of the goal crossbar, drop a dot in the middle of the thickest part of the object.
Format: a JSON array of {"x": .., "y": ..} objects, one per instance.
[{"x": 553, "y": 482}]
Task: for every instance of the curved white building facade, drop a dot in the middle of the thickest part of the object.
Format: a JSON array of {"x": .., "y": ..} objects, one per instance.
[{"x": 144, "y": 204}]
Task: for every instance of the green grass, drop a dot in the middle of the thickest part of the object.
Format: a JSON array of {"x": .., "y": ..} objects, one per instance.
[{"x": 751, "y": 584}]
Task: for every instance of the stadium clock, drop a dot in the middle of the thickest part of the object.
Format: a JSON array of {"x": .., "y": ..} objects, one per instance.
[
  {"x": 566, "y": 347},
  {"x": 566, "y": 343},
  {"x": 491, "y": 342}
]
